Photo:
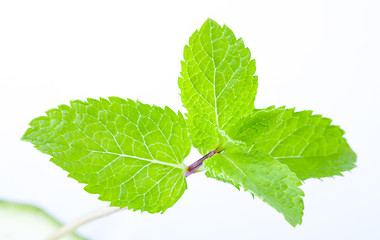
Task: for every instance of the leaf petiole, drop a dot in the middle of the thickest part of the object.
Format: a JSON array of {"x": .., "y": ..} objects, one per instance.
[{"x": 197, "y": 164}]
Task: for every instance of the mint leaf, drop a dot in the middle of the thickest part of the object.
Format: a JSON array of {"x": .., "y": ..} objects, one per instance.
[
  {"x": 308, "y": 144},
  {"x": 217, "y": 85},
  {"x": 260, "y": 174},
  {"x": 129, "y": 153}
]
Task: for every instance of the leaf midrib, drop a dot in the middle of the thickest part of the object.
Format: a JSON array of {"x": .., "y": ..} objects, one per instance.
[{"x": 180, "y": 166}]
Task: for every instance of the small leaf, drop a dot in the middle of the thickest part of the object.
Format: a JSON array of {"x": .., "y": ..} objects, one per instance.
[
  {"x": 22, "y": 221},
  {"x": 308, "y": 144},
  {"x": 260, "y": 174},
  {"x": 129, "y": 153},
  {"x": 217, "y": 85}
]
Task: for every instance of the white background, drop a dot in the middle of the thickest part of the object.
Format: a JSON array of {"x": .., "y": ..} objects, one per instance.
[{"x": 319, "y": 55}]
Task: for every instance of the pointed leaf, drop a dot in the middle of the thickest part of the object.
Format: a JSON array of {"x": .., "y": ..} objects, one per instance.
[
  {"x": 129, "y": 153},
  {"x": 308, "y": 144},
  {"x": 217, "y": 84},
  {"x": 260, "y": 174}
]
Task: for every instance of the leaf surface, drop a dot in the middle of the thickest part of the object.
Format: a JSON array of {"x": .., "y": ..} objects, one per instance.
[
  {"x": 308, "y": 144},
  {"x": 261, "y": 175},
  {"x": 129, "y": 153},
  {"x": 218, "y": 85}
]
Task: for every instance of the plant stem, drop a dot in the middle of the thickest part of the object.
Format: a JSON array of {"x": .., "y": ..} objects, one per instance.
[
  {"x": 196, "y": 165},
  {"x": 66, "y": 229}
]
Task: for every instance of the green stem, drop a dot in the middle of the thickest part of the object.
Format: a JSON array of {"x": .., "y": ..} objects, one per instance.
[{"x": 66, "y": 229}]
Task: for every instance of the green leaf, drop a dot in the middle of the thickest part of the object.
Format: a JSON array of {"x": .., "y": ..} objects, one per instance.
[
  {"x": 22, "y": 221},
  {"x": 217, "y": 85},
  {"x": 129, "y": 153},
  {"x": 258, "y": 125},
  {"x": 308, "y": 144},
  {"x": 260, "y": 174}
]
